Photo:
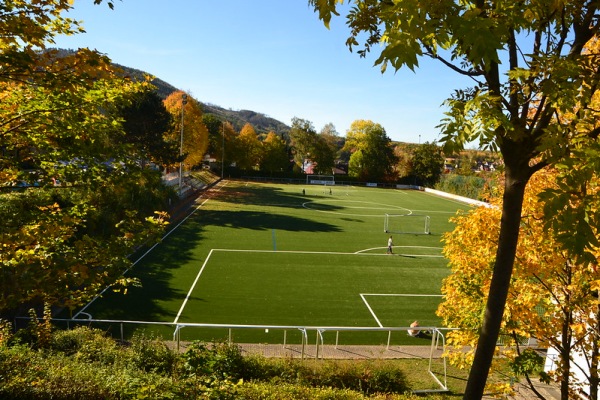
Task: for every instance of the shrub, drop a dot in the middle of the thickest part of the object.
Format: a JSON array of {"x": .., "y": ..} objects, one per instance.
[
  {"x": 86, "y": 344},
  {"x": 5, "y": 332},
  {"x": 367, "y": 377},
  {"x": 222, "y": 360},
  {"x": 473, "y": 187},
  {"x": 288, "y": 391},
  {"x": 151, "y": 354}
]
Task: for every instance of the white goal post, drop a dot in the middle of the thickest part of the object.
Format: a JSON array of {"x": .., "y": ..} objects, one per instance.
[
  {"x": 320, "y": 179},
  {"x": 417, "y": 224}
]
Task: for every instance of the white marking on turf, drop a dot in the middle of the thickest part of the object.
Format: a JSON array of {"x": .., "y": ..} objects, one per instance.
[
  {"x": 147, "y": 252},
  {"x": 371, "y": 311},
  {"x": 402, "y": 294},
  {"x": 192, "y": 288}
]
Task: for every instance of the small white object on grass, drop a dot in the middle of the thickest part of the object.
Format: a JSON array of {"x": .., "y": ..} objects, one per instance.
[{"x": 267, "y": 330}]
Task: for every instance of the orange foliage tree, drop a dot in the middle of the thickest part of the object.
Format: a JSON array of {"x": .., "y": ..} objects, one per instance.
[
  {"x": 553, "y": 297},
  {"x": 195, "y": 133}
]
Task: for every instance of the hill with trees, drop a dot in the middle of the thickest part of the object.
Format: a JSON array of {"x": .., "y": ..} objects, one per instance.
[{"x": 262, "y": 123}]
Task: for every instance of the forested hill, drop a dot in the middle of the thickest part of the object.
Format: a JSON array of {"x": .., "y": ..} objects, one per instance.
[{"x": 260, "y": 122}]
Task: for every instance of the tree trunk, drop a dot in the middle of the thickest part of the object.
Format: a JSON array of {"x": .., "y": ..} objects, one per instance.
[
  {"x": 517, "y": 177},
  {"x": 594, "y": 381},
  {"x": 565, "y": 353}
]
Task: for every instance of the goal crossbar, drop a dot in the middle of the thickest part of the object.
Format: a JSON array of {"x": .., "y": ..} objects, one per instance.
[{"x": 416, "y": 224}]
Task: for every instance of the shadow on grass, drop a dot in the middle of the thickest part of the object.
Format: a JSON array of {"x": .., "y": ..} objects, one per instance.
[
  {"x": 264, "y": 221},
  {"x": 165, "y": 272},
  {"x": 275, "y": 196}
]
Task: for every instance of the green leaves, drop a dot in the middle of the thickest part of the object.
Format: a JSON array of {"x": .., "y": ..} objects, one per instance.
[
  {"x": 326, "y": 8},
  {"x": 473, "y": 116}
]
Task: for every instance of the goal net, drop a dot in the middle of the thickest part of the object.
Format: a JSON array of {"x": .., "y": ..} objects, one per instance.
[
  {"x": 417, "y": 224},
  {"x": 320, "y": 179}
]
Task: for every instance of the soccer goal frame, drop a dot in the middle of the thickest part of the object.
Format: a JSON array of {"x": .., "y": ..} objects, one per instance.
[
  {"x": 416, "y": 224},
  {"x": 320, "y": 180}
]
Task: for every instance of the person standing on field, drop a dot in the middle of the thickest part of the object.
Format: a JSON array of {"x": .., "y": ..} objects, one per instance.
[{"x": 390, "y": 245}]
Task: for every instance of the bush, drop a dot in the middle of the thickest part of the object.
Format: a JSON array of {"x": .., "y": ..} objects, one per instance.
[
  {"x": 472, "y": 187},
  {"x": 148, "y": 369},
  {"x": 219, "y": 359},
  {"x": 288, "y": 391},
  {"x": 86, "y": 344},
  {"x": 366, "y": 377},
  {"x": 151, "y": 355}
]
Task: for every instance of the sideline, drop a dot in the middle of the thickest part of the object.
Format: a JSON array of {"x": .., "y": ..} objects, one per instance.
[
  {"x": 458, "y": 198},
  {"x": 219, "y": 187}
]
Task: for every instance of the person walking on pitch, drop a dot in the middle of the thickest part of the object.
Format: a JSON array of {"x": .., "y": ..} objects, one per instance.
[{"x": 390, "y": 245}]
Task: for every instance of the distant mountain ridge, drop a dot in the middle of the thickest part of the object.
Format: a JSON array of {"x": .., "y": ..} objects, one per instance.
[{"x": 260, "y": 122}]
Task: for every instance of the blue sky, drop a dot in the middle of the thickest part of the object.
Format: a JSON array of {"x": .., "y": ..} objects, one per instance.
[{"x": 271, "y": 56}]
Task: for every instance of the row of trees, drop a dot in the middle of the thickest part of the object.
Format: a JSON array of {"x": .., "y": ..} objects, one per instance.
[{"x": 366, "y": 151}]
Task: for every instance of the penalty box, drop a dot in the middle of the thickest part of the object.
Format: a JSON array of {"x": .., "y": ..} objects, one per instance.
[{"x": 308, "y": 288}]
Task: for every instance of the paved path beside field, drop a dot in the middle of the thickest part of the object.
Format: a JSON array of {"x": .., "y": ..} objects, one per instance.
[{"x": 341, "y": 352}]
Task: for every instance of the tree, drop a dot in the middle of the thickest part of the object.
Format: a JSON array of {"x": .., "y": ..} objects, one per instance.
[
  {"x": 195, "y": 133},
  {"x": 302, "y": 137},
  {"x": 428, "y": 163},
  {"x": 528, "y": 65},
  {"x": 215, "y": 133},
  {"x": 62, "y": 165},
  {"x": 308, "y": 146},
  {"x": 146, "y": 122},
  {"x": 248, "y": 142},
  {"x": 552, "y": 297},
  {"x": 372, "y": 156},
  {"x": 231, "y": 149},
  {"x": 404, "y": 154},
  {"x": 274, "y": 155}
]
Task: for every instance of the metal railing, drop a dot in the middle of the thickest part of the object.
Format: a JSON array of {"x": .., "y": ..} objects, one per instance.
[{"x": 437, "y": 337}]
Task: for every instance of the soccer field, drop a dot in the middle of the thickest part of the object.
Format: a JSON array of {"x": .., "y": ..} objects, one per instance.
[{"x": 293, "y": 255}]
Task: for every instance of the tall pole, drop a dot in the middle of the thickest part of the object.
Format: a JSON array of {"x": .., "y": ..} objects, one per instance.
[
  {"x": 223, "y": 150},
  {"x": 183, "y": 103}
]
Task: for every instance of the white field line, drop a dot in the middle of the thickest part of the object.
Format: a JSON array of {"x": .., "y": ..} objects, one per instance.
[
  {"x": 402, "y": 192},
  {"x": 360, "y": 252},
  {"x": 191, "y": 213},
  {"x": 406, "y": 255},
  {"x": 371, "y": 311},
  {"x": 284, "y": 251},
  {"x": 402, "y": 294},
  {"x": 429, "y": 212},
  {"x": 363, "y": 297},
  {"x": 145, "y": 254},
  {"x": 192, "y": 287}
]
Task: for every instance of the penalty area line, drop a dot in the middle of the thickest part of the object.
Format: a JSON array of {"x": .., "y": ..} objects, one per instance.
[
  {"x": 371, "y": 310},
  {"x": 192, "y": 288}
]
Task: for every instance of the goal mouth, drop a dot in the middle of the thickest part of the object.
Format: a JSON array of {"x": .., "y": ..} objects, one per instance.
[
  {"x": 320, "y": 179},
  {"x": 415, "y": 224}
]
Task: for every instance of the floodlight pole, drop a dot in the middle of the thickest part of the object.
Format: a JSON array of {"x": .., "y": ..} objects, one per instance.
[
  {"x": 183, "y": 103},
  {"x": 223, "y": 149}
]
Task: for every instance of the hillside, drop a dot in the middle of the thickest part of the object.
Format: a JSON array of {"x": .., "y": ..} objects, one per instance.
[{"x": 261, "y": 122}]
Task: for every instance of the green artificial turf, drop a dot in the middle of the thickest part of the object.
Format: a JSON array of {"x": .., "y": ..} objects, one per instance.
[{"x": 265, "y": 254}]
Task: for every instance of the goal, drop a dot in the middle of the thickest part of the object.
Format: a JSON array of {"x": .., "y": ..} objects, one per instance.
[
  {"x": 320, "y": 179},
  {"x": 417, "y": 224}
]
